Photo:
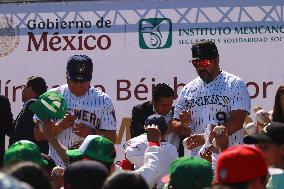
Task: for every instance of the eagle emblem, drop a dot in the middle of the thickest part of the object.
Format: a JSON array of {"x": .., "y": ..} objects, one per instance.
[{"x": 81, "y": 68}]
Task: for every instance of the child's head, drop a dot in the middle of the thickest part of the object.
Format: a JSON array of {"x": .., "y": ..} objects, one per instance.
[{"x": 271, "y": 142}]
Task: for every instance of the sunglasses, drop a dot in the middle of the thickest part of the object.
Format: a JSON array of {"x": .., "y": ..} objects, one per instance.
[{"x": 201, "y": 63}]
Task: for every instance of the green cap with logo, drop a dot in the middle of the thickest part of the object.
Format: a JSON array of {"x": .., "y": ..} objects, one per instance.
[
  {"x": 95, "y": 147},
  {"x": 50, "y": 105},
  {"x": 23, "y": 150},
  {"x": 190, "y": 172}
]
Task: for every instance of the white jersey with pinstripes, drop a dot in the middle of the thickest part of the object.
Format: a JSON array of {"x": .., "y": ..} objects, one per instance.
[
  {"x": 94, "y": 109},
  {"x": 210, "y": 103}
]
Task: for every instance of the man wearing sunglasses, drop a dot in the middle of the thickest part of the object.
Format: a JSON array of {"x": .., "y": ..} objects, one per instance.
[{"x": 216, "y": 97}]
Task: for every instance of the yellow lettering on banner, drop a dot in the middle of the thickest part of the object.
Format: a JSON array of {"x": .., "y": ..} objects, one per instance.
[{"x": 124, "y": 128}]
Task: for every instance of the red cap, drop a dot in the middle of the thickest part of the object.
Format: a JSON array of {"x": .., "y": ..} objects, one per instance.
[{"x": 239, "y": 164}]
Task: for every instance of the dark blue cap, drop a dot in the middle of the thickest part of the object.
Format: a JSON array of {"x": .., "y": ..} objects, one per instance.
[
  {"x": 158, "y": 120},
  {"x": 79, "y": 68}
]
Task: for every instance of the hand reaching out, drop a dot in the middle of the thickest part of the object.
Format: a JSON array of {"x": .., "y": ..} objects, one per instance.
[
  {"x": 221, "y": 137},
  {"x": 185, "y": 118},
  {"x": 82, "y": 130},
  {"x": 67, "y": 121},
  {"x": 153, "y": 133},
  {"x": 48, "y": 129},
  {"x": 194, "y": 141},
  {"x": 207, "y": 154}
]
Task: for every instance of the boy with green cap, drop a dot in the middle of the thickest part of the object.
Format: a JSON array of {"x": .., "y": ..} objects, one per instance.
[
  {"x": 99, "y": 148},
  {"x": 189, "y": 173},
  {"x": 23, "y": 150}
]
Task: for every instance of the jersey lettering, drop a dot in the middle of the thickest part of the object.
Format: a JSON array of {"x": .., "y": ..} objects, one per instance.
[
  {"x": 206, "y": 100},
  {"x": 221, "y": 117},
  {"x": 84, "y": 115}
]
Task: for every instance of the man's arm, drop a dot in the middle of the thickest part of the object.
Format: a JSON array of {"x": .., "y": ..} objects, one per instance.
[
  {"x": 83, "y": 130},
  {"x": 182, "y": 116},
  {"x": 151, "y": 170},
  {"x": 181, "y": 125},
  {"x": 240, "y": 103},
  {"x": 221, "y": 139},
  {"x": 109, "y": 134},
  {"x": 106, "y": 123},
  {"x": 52, "y": 139},
  {"x": 235, "y": 122},
  {"x": 55, "y": 127},
  {"x": 232, "y": 125}
]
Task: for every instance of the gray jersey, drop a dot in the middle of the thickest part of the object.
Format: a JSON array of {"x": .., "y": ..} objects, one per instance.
[{"x": 210, "y": 103}]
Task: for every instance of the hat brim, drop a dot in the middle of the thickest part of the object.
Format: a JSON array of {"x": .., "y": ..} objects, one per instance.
[
  {"x": 45, "y": 108},
  {"x": 275, "y": 171},
  {"x": 193, "y": 59},
  {"x": 43, "y": 162},
  {"x": 74, "y": 153},
  {"x": 203, "y": 58},
  {"x": 81, "y": 79},
  {"x": 39, "y": 110},
  {"x": 255, "y": 139}
]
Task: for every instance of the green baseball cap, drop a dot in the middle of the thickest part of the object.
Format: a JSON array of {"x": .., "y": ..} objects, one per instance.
[
  {"x": 95, "y": 147},
  {"x": 50, "y": 105},
  {"x": 190, "y": 172},
  {"x": 23, "y": 150}
]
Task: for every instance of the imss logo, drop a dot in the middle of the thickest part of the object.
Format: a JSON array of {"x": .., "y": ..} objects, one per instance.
[{"x": 155, "y": 33}]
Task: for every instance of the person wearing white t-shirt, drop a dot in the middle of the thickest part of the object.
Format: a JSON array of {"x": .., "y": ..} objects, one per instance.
[
  {"x": 136, "y": 147},
  {"x": 216, "y": 97},
  {"x": 90, "y": 111}
]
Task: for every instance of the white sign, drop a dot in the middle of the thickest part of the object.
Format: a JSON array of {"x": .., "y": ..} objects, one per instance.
[{"x": 139, "y": 44}]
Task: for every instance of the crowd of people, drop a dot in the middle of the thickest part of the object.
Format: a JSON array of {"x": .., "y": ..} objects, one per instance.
[{"x": 64, "y": 138}]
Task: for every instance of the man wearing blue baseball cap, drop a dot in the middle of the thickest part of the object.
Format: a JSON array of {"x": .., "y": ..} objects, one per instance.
[{"x": 91, "y": 111}]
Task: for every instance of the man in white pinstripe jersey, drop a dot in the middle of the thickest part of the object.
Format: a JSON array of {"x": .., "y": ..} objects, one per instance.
[
  {"x": 216, "y": 97},
  {"x": 90, "y": 111}
]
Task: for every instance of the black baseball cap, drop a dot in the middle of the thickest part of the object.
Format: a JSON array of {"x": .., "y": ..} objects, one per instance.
[
  {"x": 272, "y": 133},
  {"x": 79, "y": 68},
  {"x": 204, "y": 50},
  {"x": 158, "y": 120}
]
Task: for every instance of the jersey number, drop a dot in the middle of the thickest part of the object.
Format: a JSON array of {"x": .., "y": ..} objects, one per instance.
[{"x": 221, "y": 117}]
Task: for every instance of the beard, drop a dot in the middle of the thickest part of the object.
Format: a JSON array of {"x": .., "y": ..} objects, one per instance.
[{"x": 204, "y": 75}]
